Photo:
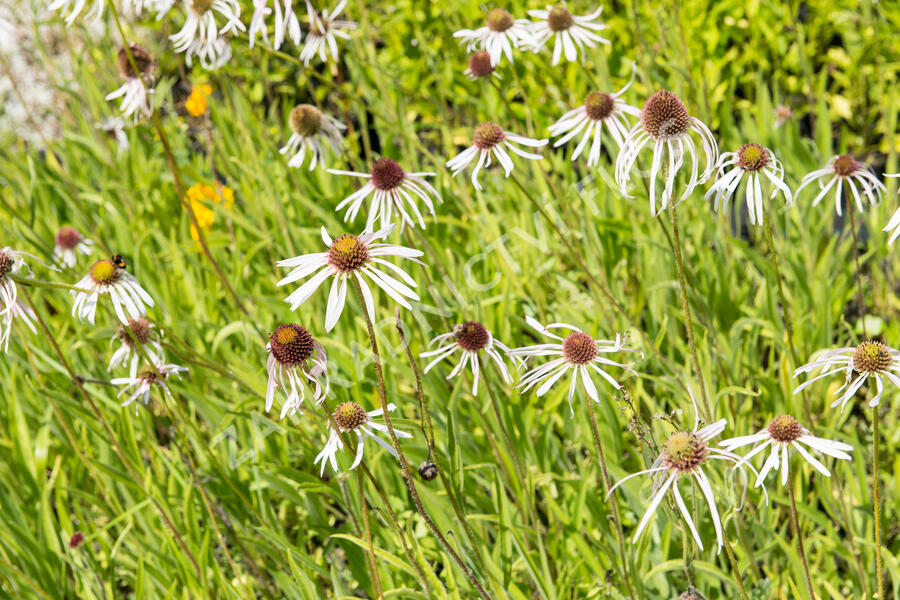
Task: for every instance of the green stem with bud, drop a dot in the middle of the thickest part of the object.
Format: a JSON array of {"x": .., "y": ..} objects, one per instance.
[{"x": 404, "y": 463}]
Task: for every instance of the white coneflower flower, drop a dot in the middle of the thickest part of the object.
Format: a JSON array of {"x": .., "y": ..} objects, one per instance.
[
  {"x": 200, "y": 32},
  {"x": 350, "y": 416},
  {"x": 141, "y": 384},
  {"x": 751, "y": 159},
  {"x": 840, "y": 170},
  {"x": 894, "y": 224},
  {"x": 293, "y": 353},
  {"x": 572, "y": 32},
  {"x": 108, "y": 276},
  {"x": 599, "y": 108},
  {"x": 782, "y": 433},
  {"x": 114, "y": 127},
  {"x": 500, "y": 35},
  {"x": 141, "y": 330},
  {"x": 684, "y": 454},
  {"x": 868, "y": 359},
  {"x": 351, "y": 256},
  {"x": 577, "y": 352},
  {"x": 391, "y": 188},
  {"x": 324, "y": 29},
  {"x": 136, "y": 92},
  {"x": 310, "y": 128},
  {"x": 218, "y": 55},
  {"x": 470, "y": 339},
  {"x": 666, "y": 121},
  {"x": 68, "y": 243},
  {"x": 286, "y": 23},
  {"x": 11, "y": 263},
  {"x": 480, "y": 66},
  {"x": 488, "y": 140}
]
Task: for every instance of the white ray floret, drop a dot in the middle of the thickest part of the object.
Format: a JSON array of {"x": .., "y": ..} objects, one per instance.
[
  {"x": 578, "y": 352},
  {"x": 351, "y": 256},
  {"x": 870, "y": 359},
  {"x": 500, "y": 35},
  {"x": 391, "y": 189},
  {"x": 840, "y": 171},
  {"x": 666, "y": 123},
  {"x": 469, "y": 339},
  {"x": 490, "y": 141},
  {"x": 783, "y": 434},
  {"x": 571, "y": 33},
  {"x": 753, "y": 161},
  {"x": 350, "y": 416},
  {"x": 599, "y": 110}
]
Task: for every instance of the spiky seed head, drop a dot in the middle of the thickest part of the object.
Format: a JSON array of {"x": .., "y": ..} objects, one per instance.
[
  {"x": 785, "y": 428},
  {"x": 347, "y": 253},
  {"x": 142, "y": 60},
  {"x": 67, "y": 238},
  {"x": 105, "y": 272},
  {"x": 480, "y": 64},
  {"x": 349, "y": 416},
  {"x": 386, "y": 174},
  {"x": 471, "y": 336},
  {"x": 871, "y": 356},
  {"x": 6, "y": 265},
  {"x": 599, "y": 105},
  {"x": 291, "y": 344},
  {"x": 306, "y": 120},
  {"x": 579, "y": 348},
  {"x": 428, "y": 470},
  {"x": 559, "y": 18},
  {"x": 487, "y": 135},
  {"x": 684, "y": 451},
  {"x": 139, "y": 327},
  {"x": 664, "y": 116},
  {"x": 752, "y": 157},
  {"x": 844, "y": 165},
  {"x": 499, "y": 20}
]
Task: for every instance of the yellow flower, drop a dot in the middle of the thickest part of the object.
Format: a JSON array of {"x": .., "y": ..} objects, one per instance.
[
  {"x": 198, "y": 195},
  {"x": 196, "y": 102}
]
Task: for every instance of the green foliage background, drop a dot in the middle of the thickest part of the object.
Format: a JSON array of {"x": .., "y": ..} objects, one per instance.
[{"x": 240, "y": 486}]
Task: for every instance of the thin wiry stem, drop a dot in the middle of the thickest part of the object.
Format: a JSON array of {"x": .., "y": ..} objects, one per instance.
[
  {"x": 620, "y": 537},
  {"x": 795, "y": 525},
  {"x": 859, "y": 289},
  {"x": 404, "y": 464},
  {"x": 429, "y": 437},
  {"x": 876, "y": 501},
  {"x": 786, "y": 316},
  {"x": 112, "y": 438},
  {"x": 371, "y": 550},
  {"x": 583, "y": 266},
  {"x": 179, "y": 184},
  {"x": 688, "y": 320},
  {"x": 734, "y": 567}
]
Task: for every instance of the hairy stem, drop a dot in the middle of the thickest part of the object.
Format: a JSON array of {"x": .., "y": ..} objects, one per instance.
[
  {"x": 876, "y": 502},
  {"x": 365, "y": 514},
  {"x": 795, "y": 525},
  {"x": 732, "y": 559},
  {"x": 688, "y": 320},
  {"x": 404, "y": 464},
  {"x": 614, "y": 508}
]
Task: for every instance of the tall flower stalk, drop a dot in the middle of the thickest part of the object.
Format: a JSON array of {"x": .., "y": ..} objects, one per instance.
[{"x": 404, "y": 463}]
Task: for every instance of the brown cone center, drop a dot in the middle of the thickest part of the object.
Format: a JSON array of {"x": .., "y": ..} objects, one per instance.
[
  {"x": 664, "y": 116},
  {"x": 291, "y": 344}
]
